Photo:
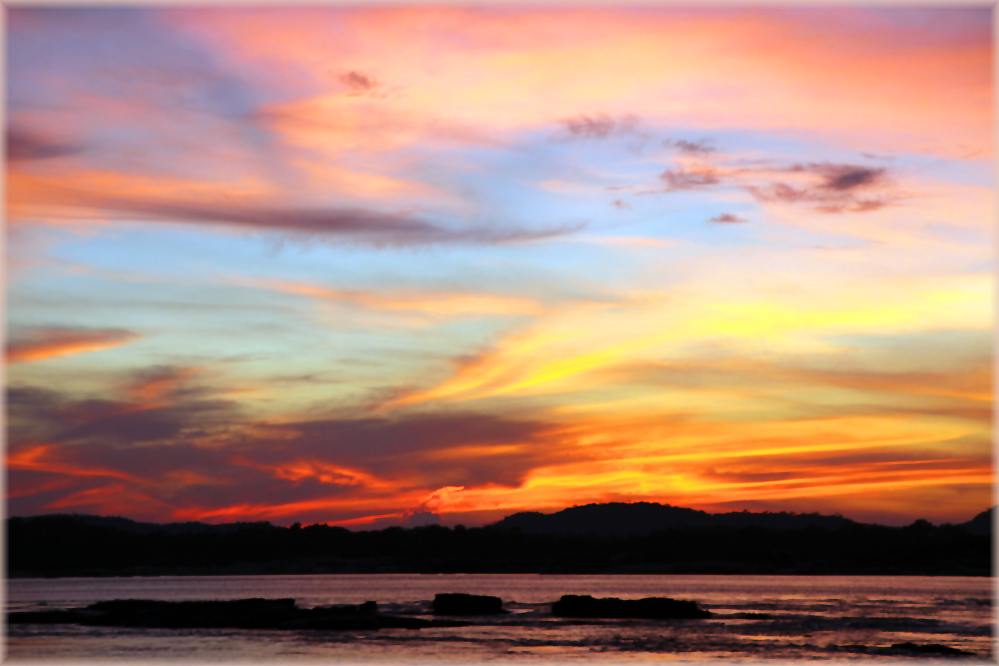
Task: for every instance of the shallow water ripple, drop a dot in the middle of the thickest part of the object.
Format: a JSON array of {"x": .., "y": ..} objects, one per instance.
[{"x": 755, "y": 619}]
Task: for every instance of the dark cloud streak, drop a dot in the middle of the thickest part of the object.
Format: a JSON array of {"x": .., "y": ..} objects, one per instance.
[
  {"x": 834, "y": 188},
  {"x": 352, "y": 224},
  {"x": 852, "y": 177},
  {"x": 24, "y": 147}
]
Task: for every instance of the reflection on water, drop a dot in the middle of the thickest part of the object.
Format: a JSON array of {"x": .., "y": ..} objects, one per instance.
[{"x": 756, "y": 618}]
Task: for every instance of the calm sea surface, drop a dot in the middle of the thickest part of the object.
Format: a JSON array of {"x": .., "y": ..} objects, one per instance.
[{"x": 756, "y": 618}]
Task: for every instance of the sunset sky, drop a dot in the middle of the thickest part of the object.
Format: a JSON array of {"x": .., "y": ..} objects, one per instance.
[{"x": 355, "y": 266}]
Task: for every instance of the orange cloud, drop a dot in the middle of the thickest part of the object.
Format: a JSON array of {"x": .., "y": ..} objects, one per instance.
[
  {"x": 160, "y": 382},
  {"x": 366, "y": 520},
  {"x": 299, "y": 469},
  {"x": 46, "y": 344},
  {"x": 46, "y": 458},
  {"x": 267, "y": 511}
]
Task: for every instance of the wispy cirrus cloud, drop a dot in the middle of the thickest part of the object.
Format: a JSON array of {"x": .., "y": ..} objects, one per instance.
[
  {"x": 443, "y": 304},
  {"x": 961, "y": 393},
  {"x": 42, "y": 344}
]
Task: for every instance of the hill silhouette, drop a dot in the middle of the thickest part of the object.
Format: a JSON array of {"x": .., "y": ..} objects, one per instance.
[
  {"x": 980, "y": 524},
  {"x": 639, "y": 518},
  {"x": 136, "y": 527},
  {"x": 598, "y": 539}
]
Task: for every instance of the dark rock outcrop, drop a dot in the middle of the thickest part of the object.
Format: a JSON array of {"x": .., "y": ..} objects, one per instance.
[
  {"x": 932, "y": 648},
  {"x": 655, "y": 608},
  {"x": 467, "y": 604},
  {"x": 340, "y": 617},
  {"x": 235, "y": 614},
  {"x": 47, "y": 617}
]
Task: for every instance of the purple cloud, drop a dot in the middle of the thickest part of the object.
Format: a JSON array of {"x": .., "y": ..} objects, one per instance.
[
  {"x": 689, "y": 179},
  {"x": 25, "y": 146},
  {"x": 727, "y": 218},
  {"x": 352, "y": 224},
  {"x": 599, "y": 126},
  {"x": 357, "y": 82},
  {"x": 701, "y": 147}
]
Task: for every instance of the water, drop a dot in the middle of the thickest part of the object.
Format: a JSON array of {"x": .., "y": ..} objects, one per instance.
[{"x": 757, "y": 618}]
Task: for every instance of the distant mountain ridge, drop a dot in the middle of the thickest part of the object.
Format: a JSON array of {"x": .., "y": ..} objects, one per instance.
[
  {"x": 135, "y": 527},
  {"x": 609, "y": 519},
  {"x": 596, "y": 539},
  {"x": 640, "y": 518}
]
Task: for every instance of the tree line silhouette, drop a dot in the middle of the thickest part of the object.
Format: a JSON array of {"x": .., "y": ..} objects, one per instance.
[{"x": 75, "y": 545}]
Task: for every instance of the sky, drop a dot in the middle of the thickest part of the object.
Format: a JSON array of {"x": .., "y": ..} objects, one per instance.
[{"x": 395, "y": 266}]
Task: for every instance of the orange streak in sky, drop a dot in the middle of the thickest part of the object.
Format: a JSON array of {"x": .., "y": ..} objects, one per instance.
[
  {"x": 155, "y": 387},
  {"x": 51, "y": 344},
  {"x": 35, "y": 458},
  {"x": 298, "y": 469},
  {"x": 260, "y": 511},
  {"x": 87, "y": 496},
  {"x": 365, "y": 520}
]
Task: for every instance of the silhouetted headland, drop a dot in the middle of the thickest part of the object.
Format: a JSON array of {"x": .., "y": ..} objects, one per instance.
[{"x": 638, "y": 538}]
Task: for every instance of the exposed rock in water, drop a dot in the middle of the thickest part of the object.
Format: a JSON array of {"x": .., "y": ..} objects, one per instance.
[
  {"x": 932, "y": 648},
  {"x": 657, "y": 608},
  {"x": 236, "y": 614},
  {"x": 467, "y": 604},
  {"x": 340, "y": 617}
]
